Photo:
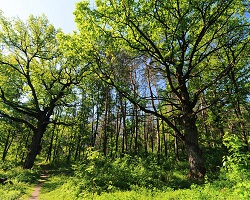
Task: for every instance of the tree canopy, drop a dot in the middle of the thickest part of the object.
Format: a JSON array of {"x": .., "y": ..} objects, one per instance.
[
  {"x": 138, "y": 78},
  {"x": 186, "y": 48},
  {"x": 37, "y": 77}
]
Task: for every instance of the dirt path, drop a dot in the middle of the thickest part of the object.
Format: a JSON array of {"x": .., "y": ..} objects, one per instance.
[{"x": 35, "y": 193}]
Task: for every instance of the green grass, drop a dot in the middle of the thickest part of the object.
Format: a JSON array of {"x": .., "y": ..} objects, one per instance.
[
  {"x": 130, "y": 178},
  {"x": 69, "y": 190},
  {"x": 137, "y": 179},
  {"x": 20, "y": 183}
]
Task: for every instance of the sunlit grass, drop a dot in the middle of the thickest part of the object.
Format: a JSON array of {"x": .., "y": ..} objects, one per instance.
[
  {"x": 99, "y": 180},
  {"x": 20, "y": 183},
  {"x": 126, "y": 178}
]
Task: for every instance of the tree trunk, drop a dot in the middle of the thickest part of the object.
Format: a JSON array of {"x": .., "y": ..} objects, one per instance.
[
  {"x": 124, "y": 132},
  {"x": 25, "y": 145},
  {"x": 165, "y": 142},
  {"x": 49, "y": 153},
  {"x": 106, "y": 122},
  {"x": 7, "y": 145},
  {"x": 135, "y": 113},
  {"x": 35, "y": 146},
  {"x": 176, "y": 147},
  {"x": 118, "y": 130},
  {"x": 95, "y": 124},
  {"x": 197, "y": 169}
]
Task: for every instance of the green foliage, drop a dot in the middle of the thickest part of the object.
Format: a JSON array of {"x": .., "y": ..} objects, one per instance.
[
  {"x": 19, "y": 182},
  {"x": 235, "y": 172},
  {"x": 125, "y": 173},
  {"x": 238, "y": 159},
  {"x": 197, "y": 52},
  {"x": 61, "y": 186},
  {"x": 140, "y": 178}
]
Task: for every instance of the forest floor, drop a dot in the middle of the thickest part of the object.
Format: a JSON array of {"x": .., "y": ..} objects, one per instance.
[{"x": 35, "y": 193}]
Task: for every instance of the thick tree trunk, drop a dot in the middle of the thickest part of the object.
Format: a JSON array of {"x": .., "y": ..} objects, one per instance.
[
  {"x": 197, "y": 168},
  {"x": 35, "y": 146},
  {"x": 34, "y": 150}
]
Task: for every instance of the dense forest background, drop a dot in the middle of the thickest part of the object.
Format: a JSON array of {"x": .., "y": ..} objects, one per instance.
[{"x": 163, "y": 84}]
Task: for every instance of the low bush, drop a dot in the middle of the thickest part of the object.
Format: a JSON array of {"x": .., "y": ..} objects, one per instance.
[{"x": 19, "y": 182}]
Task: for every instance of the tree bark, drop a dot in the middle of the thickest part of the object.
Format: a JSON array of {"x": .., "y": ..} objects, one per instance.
[
  {"x": 124, "y": 132},
  {"x": 34, "y": 150},
  {"x": 176, "y": 147},
  {"x": 196, "y": 163},
  {"x": 135, "y": 116},
  {"x": 106, "y": 122},
  {"x": 35, "y": 146},
  {"x": 7, "y": 145},
  {"x": 49, "y": 153}
]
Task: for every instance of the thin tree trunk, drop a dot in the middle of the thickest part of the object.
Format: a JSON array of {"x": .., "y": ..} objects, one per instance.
[
  {"x": 158, "y": 139},
  {"x": 105, "y": 136},
  {"x": 118, "y": 130},
  {"x": 26, "y": 145},
  {"x": 94, "y": 132},
  {"x": 136, "y": 128},
  {"x": 57, "y": 145},
  {"x": 176, "y": 145},
  {"x": 7, "y": 145},
  {"x": 164, "y": 140},
  {"x": 145, "y": 135},
  {"x": 124, "y": 132},
  {"x": 49, "y": 153}
]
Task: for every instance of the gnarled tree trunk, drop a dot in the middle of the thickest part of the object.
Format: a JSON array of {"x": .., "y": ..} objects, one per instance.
[
  {"x": 35, "y": 146},
  {"x": 196, "y": 163}
]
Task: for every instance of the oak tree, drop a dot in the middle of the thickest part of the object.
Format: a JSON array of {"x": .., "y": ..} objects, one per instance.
[
  {"x": 186, "y": 43},
  {"x": 36, "y": 76}
]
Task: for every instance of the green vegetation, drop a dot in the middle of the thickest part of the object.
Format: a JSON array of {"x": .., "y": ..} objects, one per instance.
[
  {"x": 134, "y": 178},
  {"x": 19, "y": 184},
  {"x": 147, "y": 100},
  {"x": 99, "y": 177}
]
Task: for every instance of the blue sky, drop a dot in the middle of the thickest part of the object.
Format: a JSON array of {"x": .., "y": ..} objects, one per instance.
[{"x": 59, "y": 12}]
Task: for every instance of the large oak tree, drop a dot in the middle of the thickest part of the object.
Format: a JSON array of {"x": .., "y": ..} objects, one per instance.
[
  {"x": 36, "y": 76},
  {"x": 191, "y": 45}
]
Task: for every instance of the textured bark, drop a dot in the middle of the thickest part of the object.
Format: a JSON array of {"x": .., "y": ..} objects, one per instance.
[
  {"x": 196, "y": 163},
  {"x": 124, "y": 133},
  {"x": 197, "y": 169},
  {"x": 34, "y": 150},
  {"x": 35, "y": 146},
  {"x": 106, "y": 122},
  {"x": 7, "y": 145}
]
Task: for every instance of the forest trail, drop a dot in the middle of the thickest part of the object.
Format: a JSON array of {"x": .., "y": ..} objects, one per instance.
[{"x": 35, "y": 193}]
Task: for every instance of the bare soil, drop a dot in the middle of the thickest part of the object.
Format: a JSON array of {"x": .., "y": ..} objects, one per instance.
[{"x": 35, "y": 193}]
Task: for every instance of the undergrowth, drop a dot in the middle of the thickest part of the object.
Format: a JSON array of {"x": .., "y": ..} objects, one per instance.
[
  {"x": 144, "y": 179},
  {"x": 19, "y": 183},
  {"x": 134, "y": 178}
]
